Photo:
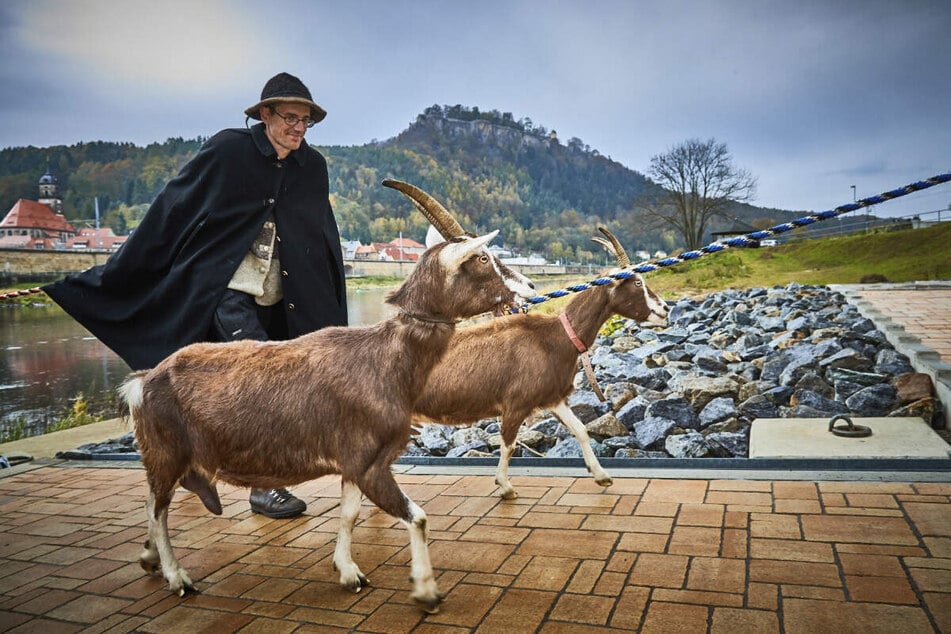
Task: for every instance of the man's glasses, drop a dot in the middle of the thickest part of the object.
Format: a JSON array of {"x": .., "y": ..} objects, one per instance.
[{"x": 292, "y": 119}]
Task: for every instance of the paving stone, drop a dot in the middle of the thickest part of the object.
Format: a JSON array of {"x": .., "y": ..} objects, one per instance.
[
  {"x": 731, "y": 620},
  {"x": 686, "y": 618},
  {"x": 520, "y": 610},
  {"x": 808, "y": 616},
  {"x": 647, "y": 555}
]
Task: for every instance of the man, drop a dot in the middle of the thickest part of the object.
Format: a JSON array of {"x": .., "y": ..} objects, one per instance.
[{"x": 242, "y": 244}]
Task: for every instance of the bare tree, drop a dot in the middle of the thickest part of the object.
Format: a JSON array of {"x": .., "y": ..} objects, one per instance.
[{"x": 700, "y": 182}]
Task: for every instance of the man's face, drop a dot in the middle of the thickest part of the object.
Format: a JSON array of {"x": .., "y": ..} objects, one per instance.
[{"x": 285, "y": 138}]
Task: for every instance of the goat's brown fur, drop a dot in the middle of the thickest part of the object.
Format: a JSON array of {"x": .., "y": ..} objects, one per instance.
[
  {"x": 512, "y": 366},
  {"x": 272, "y": 414}
]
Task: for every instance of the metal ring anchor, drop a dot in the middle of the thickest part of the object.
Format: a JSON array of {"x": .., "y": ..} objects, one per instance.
[{"x": 849, "y": 430}]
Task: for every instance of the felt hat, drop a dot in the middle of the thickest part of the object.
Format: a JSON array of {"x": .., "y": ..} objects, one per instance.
[{"x": 285, "y": 88}]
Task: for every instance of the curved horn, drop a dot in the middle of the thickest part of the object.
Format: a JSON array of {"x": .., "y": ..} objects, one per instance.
[
  {"x": 429, "y": 207},
  {"x": 619, "y": 252}
]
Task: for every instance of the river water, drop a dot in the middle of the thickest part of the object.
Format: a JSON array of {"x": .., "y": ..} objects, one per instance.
[{"x": 47, "y": 360}]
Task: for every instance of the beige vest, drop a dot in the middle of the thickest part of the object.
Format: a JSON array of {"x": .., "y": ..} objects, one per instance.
[{"x": 259, "y": 273}]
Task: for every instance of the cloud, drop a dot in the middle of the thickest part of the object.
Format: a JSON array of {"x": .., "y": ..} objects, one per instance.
[{"x": 145, "y": 45}]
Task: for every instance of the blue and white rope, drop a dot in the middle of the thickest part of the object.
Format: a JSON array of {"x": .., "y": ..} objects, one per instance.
[{"x": 749, "y": 239}]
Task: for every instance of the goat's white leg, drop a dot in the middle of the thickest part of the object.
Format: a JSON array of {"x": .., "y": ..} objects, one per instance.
[
  {"x": 378, "y": 484},
  {"x": 507, "y": 491},
  {"x": 149, "y": 559},
  {"x": 569, "y": 420},
  {"x": 425, "y": 591},
  {"x": 350, "y": 575},
  {"x": 159, "y": 547}
]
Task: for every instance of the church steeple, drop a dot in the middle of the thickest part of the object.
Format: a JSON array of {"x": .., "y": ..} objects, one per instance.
[{"x": 49, "y": 191}]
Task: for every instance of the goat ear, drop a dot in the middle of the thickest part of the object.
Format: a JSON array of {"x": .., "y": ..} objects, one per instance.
[
  {"x": 433, "y": 237},
  {"x": 456, "y": 252}
]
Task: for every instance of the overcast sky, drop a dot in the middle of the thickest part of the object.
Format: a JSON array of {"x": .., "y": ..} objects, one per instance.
[{"x": 810, "y": 96}]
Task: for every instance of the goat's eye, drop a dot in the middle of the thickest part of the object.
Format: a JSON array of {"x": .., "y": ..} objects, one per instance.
[{"x": 483, "y": 259}]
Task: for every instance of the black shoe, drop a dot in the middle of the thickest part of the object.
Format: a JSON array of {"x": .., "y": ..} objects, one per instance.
[{"x": 277, "y": 504}]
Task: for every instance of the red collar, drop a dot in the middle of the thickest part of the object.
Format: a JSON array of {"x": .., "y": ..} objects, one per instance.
[{"x": 571, "y": 333}]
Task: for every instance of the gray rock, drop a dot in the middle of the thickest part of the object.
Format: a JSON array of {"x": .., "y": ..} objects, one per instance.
[
  {"x": 817, "y": 402},
  {"x": 676, "y": 409},
  {"x": 848, "y": 358},
  {"x": 733, "y": 444},
  {"x": 689, "y": 445},
  {"x": 569, "y": 448},
  {"x": 815, "y": 383},
  {"x": 757, "y": 406},
  {"x": 650, "y": 432},
  {"x": 892, "y": 362},
  {"x": 632, "y": 412},
  {"x": 461, "y": 450},
  {"x": 552, "y": 428},
  {"x": 469, "y": 436},
  {"x": 621, "y": 442},
  {"x": 717, "y": 410},
  {"x": 434, "y": 439},
  {"x": 875, "y": 400},
  {"x": 844, "y": 389},
  {"x": 586, "y": 406}
]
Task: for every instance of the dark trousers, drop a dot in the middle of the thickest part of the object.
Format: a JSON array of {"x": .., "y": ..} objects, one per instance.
[{"x": 238, "y": 316}]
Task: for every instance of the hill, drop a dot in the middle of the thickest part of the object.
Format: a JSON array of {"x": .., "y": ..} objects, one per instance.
[{"x": 491, "y": 170}]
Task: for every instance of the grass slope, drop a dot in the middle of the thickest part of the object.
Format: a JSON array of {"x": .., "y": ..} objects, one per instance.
[{"x": 898, "y": 256}]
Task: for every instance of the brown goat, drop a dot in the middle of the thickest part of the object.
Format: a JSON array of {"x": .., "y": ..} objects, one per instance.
[
  {"x": 340, "y": 400},
  {"x": 512, "y": 366}
]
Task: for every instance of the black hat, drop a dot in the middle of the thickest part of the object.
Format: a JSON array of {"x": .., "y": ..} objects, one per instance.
[{"x": 285, "y": 88}]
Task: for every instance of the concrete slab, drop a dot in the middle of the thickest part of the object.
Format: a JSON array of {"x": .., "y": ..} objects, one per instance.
[
  {"x": 46, "y": 445},
  {"x": 811, "y": 438}
]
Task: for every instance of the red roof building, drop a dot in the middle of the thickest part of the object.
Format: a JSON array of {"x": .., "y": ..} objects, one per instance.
[
  {"x": 89, "y": 238},
  {"x": 33, "y": 225}
]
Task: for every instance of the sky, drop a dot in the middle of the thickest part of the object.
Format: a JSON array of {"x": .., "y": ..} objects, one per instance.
[{"x": 811, "y": 96}]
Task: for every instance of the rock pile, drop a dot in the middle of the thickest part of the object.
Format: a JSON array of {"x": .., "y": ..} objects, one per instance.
[{"x": 692, "y": 389}]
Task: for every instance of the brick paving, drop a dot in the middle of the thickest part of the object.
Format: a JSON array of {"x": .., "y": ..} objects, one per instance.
[
  {"x": 647, "y": 554},
  {"x": 923, "y": 313}
]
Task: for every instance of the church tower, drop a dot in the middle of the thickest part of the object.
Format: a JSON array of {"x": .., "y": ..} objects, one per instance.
[{"x": 49, "y": 192}]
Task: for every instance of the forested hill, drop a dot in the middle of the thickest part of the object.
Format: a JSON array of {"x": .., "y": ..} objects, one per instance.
[{"x": 492, "y": 171}]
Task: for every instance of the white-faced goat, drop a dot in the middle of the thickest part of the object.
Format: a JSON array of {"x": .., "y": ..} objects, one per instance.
[
  {"x": 340, "y": 398},
  {"x": 514, "y": 365}
]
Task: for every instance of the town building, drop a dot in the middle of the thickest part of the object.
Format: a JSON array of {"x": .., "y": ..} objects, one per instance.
[
  {"x": 37, "y": 224},
  {"x": 89, "y": 238}
]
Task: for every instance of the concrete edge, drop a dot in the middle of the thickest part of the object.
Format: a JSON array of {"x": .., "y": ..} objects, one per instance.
[
  {"x": 809, "y": 470},
  {"x": 922, "y": 358}
]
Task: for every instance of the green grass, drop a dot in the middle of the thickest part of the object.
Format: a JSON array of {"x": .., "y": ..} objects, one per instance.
[{"x": 898, "y": 256}]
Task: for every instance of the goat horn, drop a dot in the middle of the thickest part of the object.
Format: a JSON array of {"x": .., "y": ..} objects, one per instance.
[
  {"x": 438, "y": 215},
  {"x": 619, "y": 252}
]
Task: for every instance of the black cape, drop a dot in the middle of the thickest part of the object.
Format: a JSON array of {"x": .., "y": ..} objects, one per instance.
[{"x": 158, "y": 292}]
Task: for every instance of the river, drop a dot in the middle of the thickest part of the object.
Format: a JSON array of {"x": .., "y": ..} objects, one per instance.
[{"x": 48, "y": 360}]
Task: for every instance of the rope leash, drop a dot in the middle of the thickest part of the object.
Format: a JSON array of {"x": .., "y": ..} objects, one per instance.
[
  {"x": 740, "y": 241},
  {"x": 13, "y": 294}
]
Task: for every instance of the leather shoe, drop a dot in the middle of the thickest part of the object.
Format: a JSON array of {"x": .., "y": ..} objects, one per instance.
[{"x": 277, "y": 504}]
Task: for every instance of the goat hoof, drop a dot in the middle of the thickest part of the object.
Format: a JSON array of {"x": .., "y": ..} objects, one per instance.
[
  {"x": 357, "y": 584},
  {"x": 186, "y": 588},
  {"x": 509, "y": 495},
  {"x": 431, "y": 605},
  {"x": 605, "y": 482}
]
